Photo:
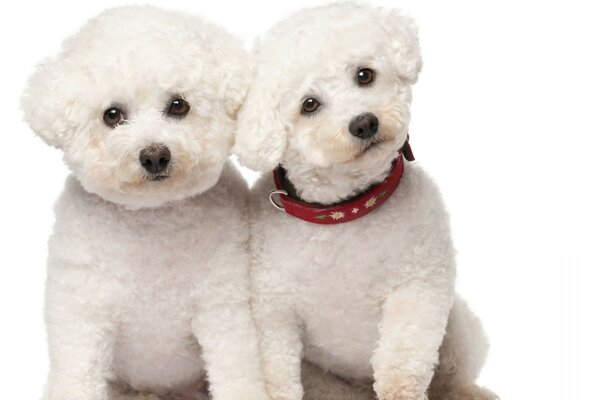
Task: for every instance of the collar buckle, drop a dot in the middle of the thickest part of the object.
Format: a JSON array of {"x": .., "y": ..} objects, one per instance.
[{"x": 279, "y": 192}]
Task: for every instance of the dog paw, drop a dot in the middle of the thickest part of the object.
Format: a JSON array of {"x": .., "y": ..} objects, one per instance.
[
  {"x": 407, "y": 389},
  {"x": 285, "y": 392}
]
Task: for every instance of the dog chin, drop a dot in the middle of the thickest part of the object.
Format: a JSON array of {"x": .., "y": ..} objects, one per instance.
[
  {"x": 147, "y": 191},
  {"x": 160, "y": 184}
]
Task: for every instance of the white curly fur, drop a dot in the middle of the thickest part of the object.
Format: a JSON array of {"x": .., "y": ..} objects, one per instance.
[
  {"x": 147, "y": 280},
  {"x": 367, "y": 300},
  {"x": 139, "y": 58}
]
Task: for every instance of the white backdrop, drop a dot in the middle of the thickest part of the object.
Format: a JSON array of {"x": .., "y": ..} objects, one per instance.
[{"x": 505, "y": 118}]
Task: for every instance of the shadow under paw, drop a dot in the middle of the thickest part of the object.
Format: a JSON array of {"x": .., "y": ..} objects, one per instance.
[{"x": 467, "y": 392}]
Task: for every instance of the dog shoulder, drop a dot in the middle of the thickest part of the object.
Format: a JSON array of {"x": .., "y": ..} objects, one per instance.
[
  {"x": 77, "y": 213},
  {"x": 419, "y": 187}
]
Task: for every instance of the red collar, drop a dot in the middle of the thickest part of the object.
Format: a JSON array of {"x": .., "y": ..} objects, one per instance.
[{"x": 349, "y": 210}]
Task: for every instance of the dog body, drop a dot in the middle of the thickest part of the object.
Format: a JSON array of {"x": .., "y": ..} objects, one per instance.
[
  {"x": 342, "y": 289},
  {"x": 368, "y": 300},
  {"x": 149, "y": 291},
  {"x": 335, "y": 279},
  {"x": 148, "y": 284}
]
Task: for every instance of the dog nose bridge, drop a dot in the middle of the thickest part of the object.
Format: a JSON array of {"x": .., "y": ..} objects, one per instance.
[{"x": 149, "y": 127}]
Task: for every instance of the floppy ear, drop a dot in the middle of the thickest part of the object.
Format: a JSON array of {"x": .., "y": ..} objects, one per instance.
[
  {"x": 261, "y": 138},
  {"x": 45, "y": 103},
  {"x": 404, "y": 40},
  {"x": 237, "y": 75}
]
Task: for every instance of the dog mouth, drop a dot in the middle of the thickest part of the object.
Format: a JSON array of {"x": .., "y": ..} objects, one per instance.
[
  {"x": 368, "y": 148},
  {"x": 158, "y": 178},
  {"x": 373, "y": 144}
]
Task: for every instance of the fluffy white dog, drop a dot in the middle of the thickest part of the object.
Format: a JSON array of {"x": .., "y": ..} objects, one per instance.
[
  {"x": 367, "y": 299},
  {"x": 148, "y": 271}
]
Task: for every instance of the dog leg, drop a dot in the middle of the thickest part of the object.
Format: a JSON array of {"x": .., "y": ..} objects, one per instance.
[
  {"x": 281, "y": 352},
  {"x": 227, "y": 334},
  {"x": 80, "y": 335},
  {"x": 411, "y": 332},
  {"x": 462, "y": 355},
  {"x": 230, "y": 349}
]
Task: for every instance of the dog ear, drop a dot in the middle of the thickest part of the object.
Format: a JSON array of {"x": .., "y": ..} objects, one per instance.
[
  {"x": 237, "y": 76},
  {"x": 45, "y": 103},
  {"x": 261, "y": 138},
  {"x": 404, "y": 41}
]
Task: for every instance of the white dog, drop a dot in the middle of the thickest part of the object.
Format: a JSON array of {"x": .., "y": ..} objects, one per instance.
[
  {"x": 367, "y": 299},
  {"x": 148, "y": 271}
]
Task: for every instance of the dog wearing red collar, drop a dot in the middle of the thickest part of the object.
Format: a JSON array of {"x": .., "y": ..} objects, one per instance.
[{"x": 354, "y": 264}]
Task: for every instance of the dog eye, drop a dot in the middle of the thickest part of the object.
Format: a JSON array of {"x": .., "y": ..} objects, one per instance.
[
  {"x": 310, "y": 105},
  {"x": 365, "y": 76},
  {"x": 114, "y": 117},
  {"x": 178, "y": 108}
]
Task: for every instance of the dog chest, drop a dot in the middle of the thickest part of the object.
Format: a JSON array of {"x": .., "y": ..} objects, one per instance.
[
  {"x": 341, "y": 330},
  {"x": 336, "y": 279},
  {"x": 150, "y": 268},
  {"x": 155, "y": 347}
]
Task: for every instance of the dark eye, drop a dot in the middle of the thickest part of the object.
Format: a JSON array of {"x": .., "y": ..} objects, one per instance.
[
  {"x": 113, "y": 117},
  {"x": 178, "y": 108},
  {"x": 310, "y": 105},
  {"x": 365, "y": 76}
]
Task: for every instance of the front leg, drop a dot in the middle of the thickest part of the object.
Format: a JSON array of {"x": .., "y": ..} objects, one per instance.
[
  {"x": 412, "y": 329},
  {"x": 226, "y": 332},
  {"x": 80, "y": 340},
  {"x": 280, "y": 349}
]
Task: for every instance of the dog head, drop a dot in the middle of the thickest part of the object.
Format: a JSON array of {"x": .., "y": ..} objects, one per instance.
[
  {"x": 332, "y": 89},
  {"x": 142, "y": 102}
]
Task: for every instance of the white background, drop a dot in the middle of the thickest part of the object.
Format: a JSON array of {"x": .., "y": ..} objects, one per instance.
[{"x": 505, "y": 118}]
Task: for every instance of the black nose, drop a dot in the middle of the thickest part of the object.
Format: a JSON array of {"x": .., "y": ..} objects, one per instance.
[
  {"x": 364, "y": 126},
  {"x": 155, "y": 158}
]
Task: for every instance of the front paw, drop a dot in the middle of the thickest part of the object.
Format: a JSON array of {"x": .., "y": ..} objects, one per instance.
[
  {"x": 405, "y": 388},
  {"x": 285, "y": 392}
]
